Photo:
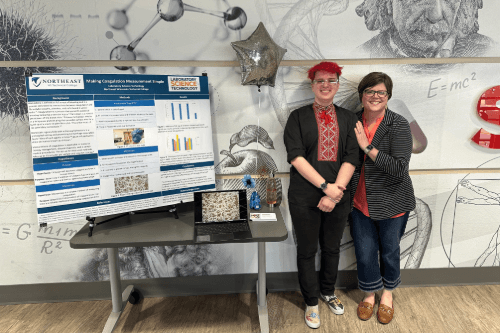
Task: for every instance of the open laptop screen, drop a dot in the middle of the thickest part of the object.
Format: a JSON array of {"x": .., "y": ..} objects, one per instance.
[{"x": 220, "y": 206}]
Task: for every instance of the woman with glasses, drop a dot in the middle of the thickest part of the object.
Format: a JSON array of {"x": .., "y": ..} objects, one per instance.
[
  {"x": 321, "y": 146},
  {"x": 382, "y": 194}
]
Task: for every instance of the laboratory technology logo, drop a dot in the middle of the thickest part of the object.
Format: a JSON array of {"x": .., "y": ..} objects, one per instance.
[
  {"x": 183, "y": 83},
  {"x": 37, "y": 82}
]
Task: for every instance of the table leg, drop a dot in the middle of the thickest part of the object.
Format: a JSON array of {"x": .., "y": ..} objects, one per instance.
[
  {"x": 114, "y": 279},
  {"x": 261, "y": 289},
  {"x": 118, "y": 298}
]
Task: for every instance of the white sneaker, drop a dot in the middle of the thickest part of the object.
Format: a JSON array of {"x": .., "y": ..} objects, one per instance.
[
  {"x": 312, "y": 316},
  {"x": 334, "y": 304}
]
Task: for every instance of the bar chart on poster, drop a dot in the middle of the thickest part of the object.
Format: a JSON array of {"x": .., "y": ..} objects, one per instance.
[
  {"x": 186, "y": 142},
  {"x": 185, "y": 111},
  {"x": 104, "y": 144}
]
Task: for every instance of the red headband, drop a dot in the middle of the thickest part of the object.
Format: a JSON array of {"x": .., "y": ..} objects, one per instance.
[{"x": 325, "y": 66}]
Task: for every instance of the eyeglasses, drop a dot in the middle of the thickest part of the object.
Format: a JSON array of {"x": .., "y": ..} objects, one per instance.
[
  {"x": 380, "y": 93},
  {"x": 329, "y": 81}
]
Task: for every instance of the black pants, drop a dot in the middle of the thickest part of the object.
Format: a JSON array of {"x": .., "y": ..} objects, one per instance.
[{"x": 312, "y": 225}]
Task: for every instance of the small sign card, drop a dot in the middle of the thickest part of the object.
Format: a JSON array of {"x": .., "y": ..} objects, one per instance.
[{"x": 263, "y": 217}]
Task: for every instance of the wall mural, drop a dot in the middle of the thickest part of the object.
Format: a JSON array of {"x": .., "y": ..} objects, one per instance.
[
  {"x": 439, "y": 101},
  {"x": 465, "y": 242},
  {"x": 481, "y": 196},
  {"x": 248, "y": 161},
  {"x": 407, "y": 28},
  {"x": 156, "y": 262},
  {"x": 231, "y": 18}
]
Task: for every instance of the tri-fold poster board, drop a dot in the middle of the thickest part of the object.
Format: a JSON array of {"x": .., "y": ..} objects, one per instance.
[{"x": 105, "y": 144}]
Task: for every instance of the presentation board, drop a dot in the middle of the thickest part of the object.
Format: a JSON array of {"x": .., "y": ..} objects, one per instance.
[{"x": 104, "y": 144}]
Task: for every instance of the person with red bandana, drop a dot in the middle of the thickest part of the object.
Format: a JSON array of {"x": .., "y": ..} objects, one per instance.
[{"x": 321, "y": 146}]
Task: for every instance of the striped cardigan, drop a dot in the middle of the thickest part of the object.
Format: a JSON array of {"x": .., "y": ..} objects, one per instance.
[{"x": 389, "y": 190}]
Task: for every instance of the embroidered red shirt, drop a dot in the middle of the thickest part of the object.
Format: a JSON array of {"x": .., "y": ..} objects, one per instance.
[
  {"x": 328, "y": 132},
  {"x": 360, "y": 201}
]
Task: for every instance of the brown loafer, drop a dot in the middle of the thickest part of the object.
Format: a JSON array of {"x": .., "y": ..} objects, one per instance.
[
  {"x": 365, "y": 310},
  {"x": 385, "y": 313}
]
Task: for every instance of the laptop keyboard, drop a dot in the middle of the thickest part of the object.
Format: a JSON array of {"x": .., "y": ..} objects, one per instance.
[{"x": 223, "y": 228}]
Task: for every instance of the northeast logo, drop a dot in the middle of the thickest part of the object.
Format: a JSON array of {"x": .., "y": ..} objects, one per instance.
[
  {"x": 35, "y": 81},
  {"x": 48, "y": 82}
]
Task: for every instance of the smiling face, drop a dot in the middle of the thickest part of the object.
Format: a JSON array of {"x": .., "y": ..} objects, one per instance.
[
  {"x": 324, "y": 92},
  {"x": 375, "y": 105},
  {"x": 425, "y": 25}
]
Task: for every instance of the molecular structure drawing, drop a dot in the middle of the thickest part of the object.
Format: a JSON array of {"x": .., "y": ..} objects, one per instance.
[{"x": 234, "y": 18}]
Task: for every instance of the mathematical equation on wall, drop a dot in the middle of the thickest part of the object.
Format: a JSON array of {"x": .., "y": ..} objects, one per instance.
[
  {"x": 488, "y": 107},
  {"x": 435, "y": 86},
  {"x": 52, "y": 238}
]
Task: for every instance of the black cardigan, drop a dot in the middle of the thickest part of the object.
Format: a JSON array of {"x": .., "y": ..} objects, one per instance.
[{"x": 389, "y": 190}]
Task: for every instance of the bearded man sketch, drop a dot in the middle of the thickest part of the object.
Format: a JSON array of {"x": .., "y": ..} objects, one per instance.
[{"x": 424, "y": 29}]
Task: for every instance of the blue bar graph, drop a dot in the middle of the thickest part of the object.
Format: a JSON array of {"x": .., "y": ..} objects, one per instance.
[{"x": 188, "y": 112}]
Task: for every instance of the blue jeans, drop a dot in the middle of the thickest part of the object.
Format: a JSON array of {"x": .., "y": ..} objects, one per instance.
[{"x": 371, "y": 239}]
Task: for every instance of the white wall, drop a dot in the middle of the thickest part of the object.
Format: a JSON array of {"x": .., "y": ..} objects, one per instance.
[{"x": 461, "y": 214}]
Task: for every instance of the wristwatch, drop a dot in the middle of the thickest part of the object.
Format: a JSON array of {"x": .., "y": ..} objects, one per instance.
[
  {"x": 323, "y": 186},
  {"x": 367, "y": 149}
]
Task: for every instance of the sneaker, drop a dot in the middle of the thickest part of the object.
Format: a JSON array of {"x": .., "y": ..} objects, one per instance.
[
  {"x": 312, "y": 316},
  {"x": 334, "y": 303}
]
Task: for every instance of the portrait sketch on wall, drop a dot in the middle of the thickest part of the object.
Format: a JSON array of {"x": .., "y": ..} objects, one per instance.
[{"x": 423, "y": 29}]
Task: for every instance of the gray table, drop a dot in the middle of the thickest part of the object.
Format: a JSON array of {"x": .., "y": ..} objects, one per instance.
[{"x": 162, "y": 229}]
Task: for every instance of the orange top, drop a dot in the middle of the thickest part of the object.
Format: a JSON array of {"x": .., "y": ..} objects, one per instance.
[{"x": 360, "y": 196}]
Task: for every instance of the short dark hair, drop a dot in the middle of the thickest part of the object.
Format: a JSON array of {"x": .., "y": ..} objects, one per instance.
[{"x": 372, "y": 80}]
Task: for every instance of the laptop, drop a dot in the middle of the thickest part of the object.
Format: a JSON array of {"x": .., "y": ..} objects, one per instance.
[{"x": 221, "y": 216}]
